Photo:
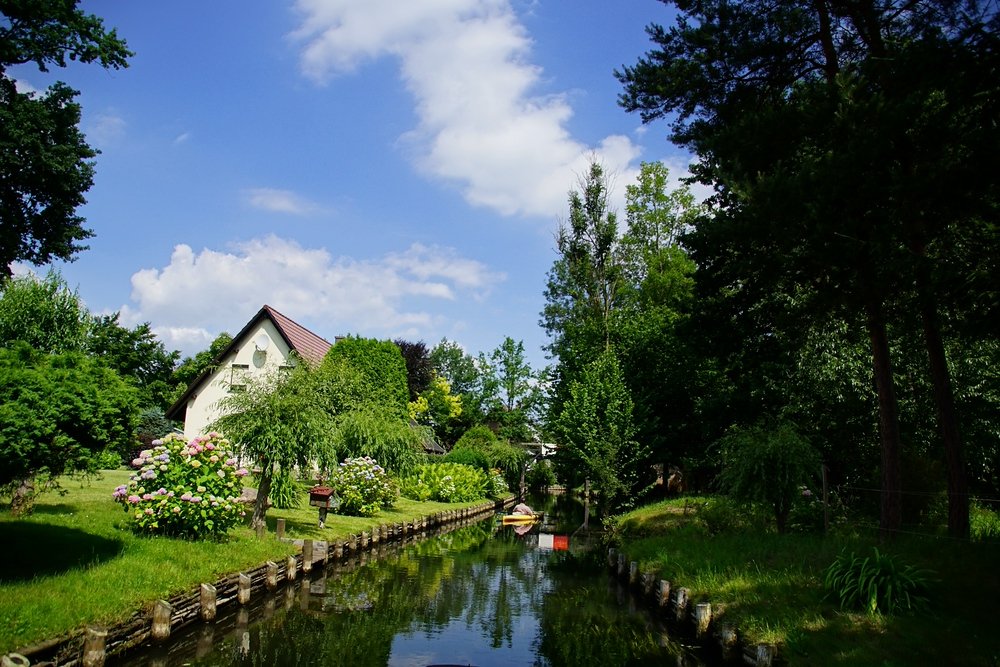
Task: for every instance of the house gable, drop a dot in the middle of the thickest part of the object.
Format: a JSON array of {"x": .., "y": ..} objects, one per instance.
[{"x": 263, "y": 346}]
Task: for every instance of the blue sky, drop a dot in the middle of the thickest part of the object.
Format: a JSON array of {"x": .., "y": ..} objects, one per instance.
[{"x": 381, "y": 168}]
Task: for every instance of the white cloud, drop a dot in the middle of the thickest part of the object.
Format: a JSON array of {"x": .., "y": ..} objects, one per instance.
[
  {"x": 482, "y": 123},
  {"x": 181, "y": 138},
  {"x": 280, "y": 201},
  {"x": 23, "y": 86},
  {"x": 212, "y": 291},
  {"x": 106, "y": 129}
]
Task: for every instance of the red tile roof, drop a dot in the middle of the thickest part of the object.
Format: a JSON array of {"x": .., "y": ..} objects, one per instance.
[{"x": 310, "y": 347}]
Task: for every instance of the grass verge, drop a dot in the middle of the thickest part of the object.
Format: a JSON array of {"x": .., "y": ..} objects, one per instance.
[
  {"x": 770, "y": 586},
  {"x": 75, "y": 562}
]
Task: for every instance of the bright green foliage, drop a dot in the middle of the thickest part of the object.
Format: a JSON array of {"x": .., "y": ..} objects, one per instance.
[
  {"x": 46, "y": 164},
  {"x": 596, "y": 435},
  {"x": 877, "y": 584},
  {"x": 384, "y": 438},
  {"x": 280, "y": 422},
  {"x": 768, "y": 465},
  {"x": 184, "y": 488},
  {"x": 436, "y": 406},
  {"x": 58, "y": 411},
  {"x": 363, "y": 487},
  {"x": 382, "y": 374},
  {"x": 44, "y": 313},
  {"x": 451, "y": 362},
  {"x": 137, "y": 355},
  {"x": 496, "y": 452},
  {"x": 447, "y": 483},
  {"x": 469, "y": 457},
  {"x": 510, "y": 394}
]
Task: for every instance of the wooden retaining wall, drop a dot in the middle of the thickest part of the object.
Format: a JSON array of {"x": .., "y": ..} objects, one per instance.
[
  {"x": 249, "y": 590},
  {"x": 694, "y": 618}
]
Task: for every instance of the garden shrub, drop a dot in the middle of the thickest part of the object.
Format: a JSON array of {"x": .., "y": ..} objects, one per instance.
[
  {"x": 381, "y": 436},
  {"x": 184, "y": 488},
  {"x": 496, "y": 485},
  {"x": 467, "y": 457},
  {"x": 478, "y": 438},
  {"x": 721, "y": 515},
  {"x": 363, "y": 487},
  {"x": 984, "y": 523},
  {"x": 540, "y": 476},
  {"x": 447, "y": 483},
  {"x": 877, "y": 584}
]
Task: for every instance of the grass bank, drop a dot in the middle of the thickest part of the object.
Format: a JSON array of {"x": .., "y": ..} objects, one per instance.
[
  {"x": 75, "y": 562},
  {"x": 771, "y": 587}
]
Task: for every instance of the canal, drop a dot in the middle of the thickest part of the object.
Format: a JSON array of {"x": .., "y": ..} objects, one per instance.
[{"x": 483, "y": 594}]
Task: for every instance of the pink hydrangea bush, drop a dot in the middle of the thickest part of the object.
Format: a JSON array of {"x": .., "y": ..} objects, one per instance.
[{"x": 184, "y": 488}]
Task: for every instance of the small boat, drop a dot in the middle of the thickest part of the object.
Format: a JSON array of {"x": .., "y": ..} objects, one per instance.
[{"x": 521, "y": 518}]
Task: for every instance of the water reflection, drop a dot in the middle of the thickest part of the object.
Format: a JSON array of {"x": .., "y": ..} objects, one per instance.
[{"x": 480, "y": 595}]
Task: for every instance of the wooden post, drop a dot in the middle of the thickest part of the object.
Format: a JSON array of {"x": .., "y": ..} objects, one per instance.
[
  {"x": 338, "y": 549},
  {"x": 612, "y": 556},
  {"x": 304, "y": 595},
  {"x": 702, "y": 619},
  {"x": 633, "y": 573},
  {"x": 307, "y": 555},
  {"x": 242, "y": 631},
  {"x": 663, "y": 594},
  {"x": 243, "y": 592},
  {"x": 765, "y": 655},
  {"x": 207, "y": 597},
  {"x": 160, "y": 629},
  {"x": 682, "y": 603},
  {"x": 271, "y": 578},
  {"x": 621, "y": 565},
  {"x": 728, "y": 642},
  {"x": 648, "y": 581},
  {"x": 261, "y": 530},
  {"x": 279, "y": 530},
  {"x": 290, "y": 567},
  {"x": 364, "y": 540},
  {"x": 94, "y": 645}
]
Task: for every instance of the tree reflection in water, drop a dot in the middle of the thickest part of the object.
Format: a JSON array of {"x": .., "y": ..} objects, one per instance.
[{"x": 479, "y": 595}]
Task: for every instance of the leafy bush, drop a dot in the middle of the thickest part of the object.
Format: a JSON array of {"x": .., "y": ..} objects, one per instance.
[
  {"x": 467, "y": 457},
  {"x": 496, "y": 452},
  {"x": 447, "y": 483},
  {"x": 877, "y": 584},
  {"x": 769, "y": 466},
  {"x": 363, "y": 487},
  {"x": 496, "y": 485},
  {"x": 984, "y": 522},
  {"x": 382, "y": 437},
  {"x": 184, "y": 488},
  {"x": 540, "y": 476},
  {"x": 479, "y": 438}
]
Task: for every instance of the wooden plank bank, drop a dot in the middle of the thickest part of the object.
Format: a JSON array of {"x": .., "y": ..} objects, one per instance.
[
  {"x": 191, "y": 622},
  {"x": 691, "y": 618}
]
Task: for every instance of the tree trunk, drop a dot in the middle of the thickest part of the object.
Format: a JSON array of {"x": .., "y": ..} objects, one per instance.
[
  {"x": 22, "y": 502},
  {"x": 944, "y": 401},
  {"x": 263, "y": 491},
  {"x": 891, "y": 516}
]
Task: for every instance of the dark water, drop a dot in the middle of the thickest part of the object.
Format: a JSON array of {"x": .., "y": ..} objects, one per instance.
[{"x": 480, "y": 595}]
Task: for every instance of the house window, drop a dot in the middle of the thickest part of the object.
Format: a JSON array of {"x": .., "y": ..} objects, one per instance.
[{"x": 238, "y": 377}]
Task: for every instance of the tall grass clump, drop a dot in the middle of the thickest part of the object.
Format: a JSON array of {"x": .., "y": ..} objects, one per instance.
[{"x": 877, "y": 584}]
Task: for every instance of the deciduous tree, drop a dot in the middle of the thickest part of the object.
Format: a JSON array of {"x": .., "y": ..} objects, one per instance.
[{"x": 46, "y": 165}]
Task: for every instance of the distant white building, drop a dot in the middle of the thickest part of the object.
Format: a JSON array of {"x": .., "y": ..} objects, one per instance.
[{"x": 263, "y": 346}]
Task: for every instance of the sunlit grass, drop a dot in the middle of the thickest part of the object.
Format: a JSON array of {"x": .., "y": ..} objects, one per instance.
[
  {"x": 75, "y": 562},
  {"x": 771, "y": 587}
]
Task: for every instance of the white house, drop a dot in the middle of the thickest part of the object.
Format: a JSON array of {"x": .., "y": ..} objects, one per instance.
[{"x": 263, "y": 346}]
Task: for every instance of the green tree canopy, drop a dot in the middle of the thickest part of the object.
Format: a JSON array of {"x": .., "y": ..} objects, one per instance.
[
  {"x": 381, "y": 370},
  {"x": 44, "y": 313},
  {"x": 46, "y": 165},
  {"x": 58, "y": 412},
  {"x": 136, "y": 354},
  {"x": 596, "y": 435}
]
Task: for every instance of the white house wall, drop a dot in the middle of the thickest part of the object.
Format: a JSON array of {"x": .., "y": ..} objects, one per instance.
[{"x": 202, "y": 407}]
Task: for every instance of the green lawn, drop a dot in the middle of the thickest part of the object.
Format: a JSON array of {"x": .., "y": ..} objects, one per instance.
[
  {"x": 75, "y": 561},
  {"x": 770, "y": 586}
]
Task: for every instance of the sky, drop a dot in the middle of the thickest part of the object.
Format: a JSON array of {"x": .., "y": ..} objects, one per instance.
[{"x": 378, "y": 168}]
